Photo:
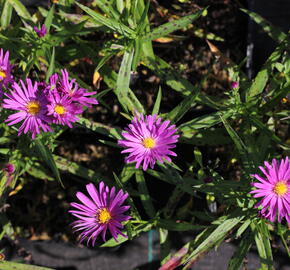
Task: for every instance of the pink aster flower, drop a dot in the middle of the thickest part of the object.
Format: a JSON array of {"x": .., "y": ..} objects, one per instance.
[
  {"x": 5, "y": 69},
  {"x": 102, "y": 211},
  {"x": 62, "y": 109},
  {"x": 41, "y": 32},
  {"x": 274, "y": 187},
  {"x": 148, "y": 139},
  {"x": 77, "y": 93},
  {"x": 31, "y": 107}
]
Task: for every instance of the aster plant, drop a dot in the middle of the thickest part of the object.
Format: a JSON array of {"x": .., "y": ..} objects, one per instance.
[
  {"x": 31, "y": 107},
  {"x": 274, "y": 189},
  {"x": 102, "y": 211},
  {"x": 5, "y": 69},
  {"x": 149, "y": 139}
]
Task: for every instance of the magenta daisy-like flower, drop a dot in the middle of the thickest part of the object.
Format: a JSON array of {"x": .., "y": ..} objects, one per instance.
[
  {"x": 31, "y": 107},
  {"x": 5, "y": 69},
  {"x": 148, "y": 139},
  {"x": 101, "y": 212},
  {"x": 76, "y": 93},
  {"x": 274, "y": 187},
  {"x": 62, "y": 109}
]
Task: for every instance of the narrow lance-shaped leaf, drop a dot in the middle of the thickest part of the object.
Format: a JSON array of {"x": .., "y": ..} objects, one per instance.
[
  {"x": 47, "y": 157},
  {"x": 181, "y": 109},
  {"x": 6, "y": 14},
  {"x": 49, "y": 18},
  {"x": 263, "y": 245},
  {"x": 51, "y": 65},
  {"x": 124, "y": 74},
  {"x": 262, "y": 77},
  {"x": 170, "y": 27},
  {"x": 109, "y": 22},
  {"x": 241, "y": 252},
  {"x": 274, "y": 32},
  {"x": 145, "y": 197},
  {"x": 216, "y": 236},
  {"x": 20, "y": 9},
  {"x": 157, "y": 102}
]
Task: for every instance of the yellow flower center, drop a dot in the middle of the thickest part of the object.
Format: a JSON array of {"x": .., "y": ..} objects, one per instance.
[
  {"x": 104, "y": 216},
  {"x": 2, "y": 75},
  {"x": 33, "y": 107},
  {"x": 148, "y": 142},
  {"x": 59, "y": 109},
  {"x": 280, "y": 188}
]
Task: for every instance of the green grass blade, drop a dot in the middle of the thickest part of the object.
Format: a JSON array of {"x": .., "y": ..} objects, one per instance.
[
  {"x": 170, "y": 27},
  {"x": 20, "y": 9},
  {"x": 157, "y": 102}
]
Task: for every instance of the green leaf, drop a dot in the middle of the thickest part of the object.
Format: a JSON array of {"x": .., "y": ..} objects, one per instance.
[
  {"x": 127, "y": 172},
  {"x": 106, "y": 7},
  {"x": 241, "y": 252},
  {"x": 173, "y": 79},
  {"x": 205, "y": 121},
  {"x": 133, "y": 209},
  {"x": 121, "y": 239},
  {"x": 216, "y": 236},
  {"x": 144, "y": 194},
  {"x": 242, "y": 148},
  {"x": 6, "y": 14},
  {"x": 49, "y": 18},
  {"x": 262, "y": 77},
  {"x": 262, "y": 239},
  {"x": 171, "y": 225},
  {"x": 51, "y": 67},
  {"x": 110, "y": 78},
  {"x": 101, "y": 128},
  {"x": 170, "y": 27},
  {"x": 5, "y": 265},
  {"x": 74, "y": 168},
  {"x": 157, "y": 102},
  {"x": 109, "y": 22},
  {"x": 181, "y": 109},
  {"x": 274, "y": 32},
  {"x": 123, "y": 79},
  {"x": 20, "y": 9},
  {"x": 137, "y": 54},
  {"x": 47, "y": 157}
]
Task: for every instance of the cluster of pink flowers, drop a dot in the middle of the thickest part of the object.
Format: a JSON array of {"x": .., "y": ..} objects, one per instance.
[{"x": 39, "y": 105}]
